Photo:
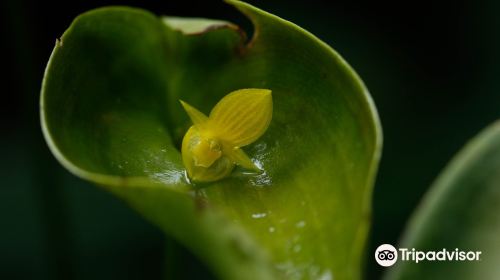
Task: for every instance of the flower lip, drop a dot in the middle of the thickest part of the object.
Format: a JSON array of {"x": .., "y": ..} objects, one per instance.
[{"x": 206, "y": 152}]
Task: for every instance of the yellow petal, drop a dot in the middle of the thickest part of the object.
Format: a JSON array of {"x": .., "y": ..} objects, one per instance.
[
  {"x": 197, "y": 117},
  {"x": 239, "y": 157},
  {"x": 242, "y": 116}
]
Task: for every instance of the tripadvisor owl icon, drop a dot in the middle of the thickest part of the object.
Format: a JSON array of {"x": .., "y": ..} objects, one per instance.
[{"x": 386, "y": 255}]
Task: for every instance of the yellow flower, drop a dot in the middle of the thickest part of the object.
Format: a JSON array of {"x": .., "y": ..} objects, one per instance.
[{"x": 212, "y": 146}]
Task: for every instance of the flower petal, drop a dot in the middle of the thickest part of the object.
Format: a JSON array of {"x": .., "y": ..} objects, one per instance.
[
  {"x": 242, "y": 116},
  {"x": 197, "y": 117},
  {"x": 239, "y": 157}
]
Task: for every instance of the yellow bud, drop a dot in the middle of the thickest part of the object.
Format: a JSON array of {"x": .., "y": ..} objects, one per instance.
[{"x": 211, "y": 147}]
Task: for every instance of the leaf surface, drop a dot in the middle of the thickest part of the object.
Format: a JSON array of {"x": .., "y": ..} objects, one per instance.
[
  {"x": 459, "y": 212},
  {"x": 111, "y": 115}
]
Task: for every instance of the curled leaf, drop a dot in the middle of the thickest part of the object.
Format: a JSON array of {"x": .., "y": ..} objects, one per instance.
[
  {"x": 459, "y": 213},
  {"x": 111, "y": 115}
]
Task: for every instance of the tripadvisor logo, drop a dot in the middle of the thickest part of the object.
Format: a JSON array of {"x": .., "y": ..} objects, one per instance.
[{"x": 387, "y": 255}]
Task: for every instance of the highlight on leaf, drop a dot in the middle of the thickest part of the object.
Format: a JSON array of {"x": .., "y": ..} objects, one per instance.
[{"x": 212, "y": 145}]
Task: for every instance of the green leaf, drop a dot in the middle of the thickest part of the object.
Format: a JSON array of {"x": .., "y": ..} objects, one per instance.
[
  {"x": 111, "y": 115},
  {"x": 460, "y": 211}
]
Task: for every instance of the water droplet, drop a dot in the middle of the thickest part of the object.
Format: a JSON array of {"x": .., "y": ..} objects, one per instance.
[
  {"x": 297, "y": 248},
  {"x": 259, "y": 215},
  {"x": 327, "y": 275},
  {"x": 300, "y": 224},
  {"x": 186, "y": 177},
  {"x": 168, "y": 177}
]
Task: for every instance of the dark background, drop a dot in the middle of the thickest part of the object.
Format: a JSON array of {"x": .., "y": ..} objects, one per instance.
[{"x": 432, "y": 69}]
